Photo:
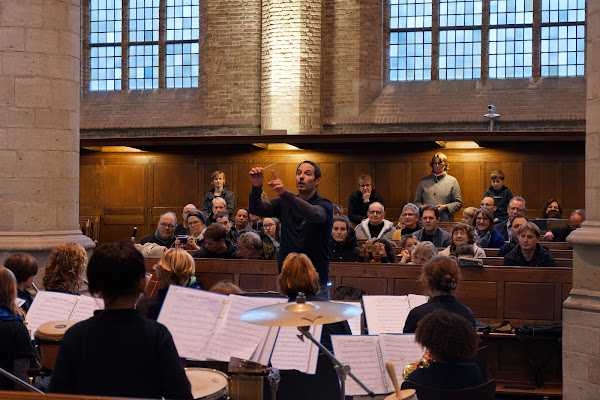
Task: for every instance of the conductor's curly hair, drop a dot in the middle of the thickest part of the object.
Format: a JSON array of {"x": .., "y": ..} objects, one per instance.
[
  {"x": 65, "y": 267},
  {"x": 447, "y": 336}
]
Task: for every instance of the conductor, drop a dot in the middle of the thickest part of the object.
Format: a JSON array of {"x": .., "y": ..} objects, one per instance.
[{"x": 306, "y": 218}]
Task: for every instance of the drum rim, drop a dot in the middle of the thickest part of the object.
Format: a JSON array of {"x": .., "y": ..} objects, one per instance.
[{"x": 222, "y": 392}]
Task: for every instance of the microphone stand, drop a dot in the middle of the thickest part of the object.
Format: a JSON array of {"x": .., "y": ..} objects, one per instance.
[
  {"x": 19, "y": 381},
  {"x": 343, "y": 371}
]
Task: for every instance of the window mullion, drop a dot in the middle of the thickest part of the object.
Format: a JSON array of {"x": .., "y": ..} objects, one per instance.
[
  {"x": 485, "y": 37},
  {"x": 435, "y": 39},
  {"x": 162, "y": 29},
  {"x": 125, "y": 45},
  {"x": 536, "y": 37},
  {"x": 85, "y": 41}
]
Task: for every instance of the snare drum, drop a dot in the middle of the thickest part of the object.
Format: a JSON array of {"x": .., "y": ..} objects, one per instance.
[
  {"x": 406, "y": 394},
  {"x": 49, "y": 337},
  {"x": 208, "y": 384}
]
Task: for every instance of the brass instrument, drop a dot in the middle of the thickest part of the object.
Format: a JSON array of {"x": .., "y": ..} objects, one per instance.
[{"x": 409, "y": 368}]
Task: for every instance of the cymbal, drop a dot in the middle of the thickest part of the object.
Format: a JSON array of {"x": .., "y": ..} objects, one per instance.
[{"x": 301, "y": 314}]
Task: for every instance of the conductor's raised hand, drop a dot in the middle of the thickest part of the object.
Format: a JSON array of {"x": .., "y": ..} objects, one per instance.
[
  {"x": 256, "y": 176},
  {"x": 277, "y": 186}
]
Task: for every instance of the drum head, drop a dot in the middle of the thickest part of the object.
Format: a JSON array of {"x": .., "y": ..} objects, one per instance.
[
  {"x": 207, "y": 384},
  {"x": 53, "y": 330}
]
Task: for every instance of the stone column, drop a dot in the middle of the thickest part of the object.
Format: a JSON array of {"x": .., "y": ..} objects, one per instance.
[
  {"x": 291, "y": 66},
  {"x": 581, "y": 311},
  {"x": 39, "y": 125}
]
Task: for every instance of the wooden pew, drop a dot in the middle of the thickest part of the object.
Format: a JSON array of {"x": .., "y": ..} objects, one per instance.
[
  {"x": 10, "y": 395},
  {"x": 567, "y": 254},
  {"x": 499, "y": 261}
]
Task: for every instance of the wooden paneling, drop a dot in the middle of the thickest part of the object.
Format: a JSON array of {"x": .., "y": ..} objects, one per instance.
[
  {"x": 390, "y": 180},
  {"x": 531, "y": 300},
  {"x": 124, "y": 185},
  {"x": 175, "y": 184},
  {"x": 482, "y": 297}
]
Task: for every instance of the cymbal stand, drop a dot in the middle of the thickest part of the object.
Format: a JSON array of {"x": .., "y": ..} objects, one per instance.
[
  {"x": 19, "y": 381},
  {"x": 343, "y": 371}
]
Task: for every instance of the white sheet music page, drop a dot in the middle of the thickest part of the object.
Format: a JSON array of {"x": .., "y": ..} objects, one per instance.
[
  {"x": 85, "y": 308},
  {"x": 363, "y": 355},
  {"x": 264, "y": 350},
  {"x": 415, "y": 300},
  {"x": 49, "y": 306},
  {"x": 292, "y": 353},
  {"x": 385, "y": 314},
  {"x": 234, "y": 338},
  {"x": 191, "y": 316},
  {"x": 353, "y": 322},
  {"x": 399, "y": 350}
]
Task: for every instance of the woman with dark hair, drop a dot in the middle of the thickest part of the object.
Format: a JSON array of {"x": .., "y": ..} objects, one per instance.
[
  {"x": 343, "y": 246},
  {"x": 462, "y": 234},
  {"x": 299, "y": 275},
  {"x": 64, "y": 271},
  {"x": 451, "y": 344},
  {"x": 24, "y": 267},
  {"x": 552, "y": 209},
  {"x": 439, "y": 277},
  {"x": 117, "y": 352},
  {"x": 486, "y": 236},
  {"x": 379, "y": 251}
]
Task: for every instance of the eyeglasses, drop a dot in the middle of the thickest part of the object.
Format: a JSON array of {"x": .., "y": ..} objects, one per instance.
[
  {"x": 165, "y": 225},
  {"x": 375, "y": 212}
]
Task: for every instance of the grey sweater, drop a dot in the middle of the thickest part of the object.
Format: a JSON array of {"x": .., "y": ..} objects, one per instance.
[{"x": 444, "y": 189}]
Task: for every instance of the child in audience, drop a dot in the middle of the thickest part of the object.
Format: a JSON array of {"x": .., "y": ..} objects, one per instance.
[
  {"x": 500, "y": 193},
  {"x": 451, "y": 344},
  {"x": 16, "y": 350},
  {"x": 468, "y": 215},
  {"x": 64, "y": 271},
  {"x": 117, "y": 352},
  {"x": 423, "y": 252},
  {"x": 407, "y": 244},
  {"x": 379, "y": 251},
  {"x": 24, "y": 267}
]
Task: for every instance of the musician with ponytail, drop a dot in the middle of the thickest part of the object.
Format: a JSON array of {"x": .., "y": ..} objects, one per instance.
[{"x": 440, "y": 277}]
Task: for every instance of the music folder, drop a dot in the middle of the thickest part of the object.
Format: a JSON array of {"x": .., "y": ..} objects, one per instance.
[{"x": 387, "y": 314}]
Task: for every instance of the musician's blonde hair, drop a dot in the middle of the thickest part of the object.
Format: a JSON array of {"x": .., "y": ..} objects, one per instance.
[
  {"x": 8, "y": 290},
  {"x": 176, "y": 266}
]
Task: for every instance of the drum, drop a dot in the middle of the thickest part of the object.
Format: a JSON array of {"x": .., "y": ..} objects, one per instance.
[
  {"x": 406, "y": 394},
  {"x": 208, "y": 384},
  {"x": 49, "y": 337}
]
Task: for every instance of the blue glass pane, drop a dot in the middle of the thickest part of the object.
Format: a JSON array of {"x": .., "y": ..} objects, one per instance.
[
  {"x": 409, "y": 14},
  {"x": 510, "y": 53},
  {"x": 143, "y": 20},
  {"x": 410, "y": 56},
  {"x": 183, "y": 19},
  {"x": 105, "y": 21},
  {"x": 563, "y": 11},
  {"x": 182, "y": 65},
  {"x": 563, "y": 51},
  {"x": 460, "y": 54},
  {"x": 460, "y": 12},
  {"x": 143, "y": 67},
  {"x": 511, "y": 12},
  {"x": 105, "y": 68}
]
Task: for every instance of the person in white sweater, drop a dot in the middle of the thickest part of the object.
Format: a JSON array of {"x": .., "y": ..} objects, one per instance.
[{"x": 375, "y": 226}]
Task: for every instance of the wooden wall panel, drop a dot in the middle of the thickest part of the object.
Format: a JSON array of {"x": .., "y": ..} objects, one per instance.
[
  {"x": 573, "y": 184},
  {"x": 90, "y": 188},
  {"x": 348, "y": 179},
  {"x": 124, "y": 185},
  {"x": 175, "y": 184},
  {"x": 519, "y": 296},
  {"x": 541, "y": 180},
  {"x": 391, "y": 180}
]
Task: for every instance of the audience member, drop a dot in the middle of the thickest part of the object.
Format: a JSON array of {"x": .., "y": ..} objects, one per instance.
[
  {"x": 299, "y": 275},
  {"x": 241, "y": 224},
  {"x": 343, "y": 246},
  {"x": 359, "y": 201},
  {"x": 516, "y": 207},
  {"x": 255, "y": 222},
  {"x": 552, "y": 209},
  {"x": 451, "y": 344},
  {"x": 183, "y": 229},
  {"x": 462, "y": 234},
  {"x": 488, "y": 203},
  {"x": 440, "y": 189},
  {"x": 407, "y": 245},
  {"x": 529, "y": 253},
  {"x": 576, "y": 218},
  {"x": 222, "y": 217},
  {"x": 423, "y": 252},
  {"x": 164, "y": 234},
  {"x": 486, "y": 236},
  {"x": 379, "y": 251},
  {"x": 219, "y": 206},
  {"x": 175, "y": 267},
  {"x": 249, "y": 246},
  {"x": 408, "y": 223},
  {"x": 507, "y": 247},
  {"x": 270, "y": 237},
  {"x": 226, "y": 288},
  {"x": 440, "y": 277},
  {"x": 117, "y": 352},
  {"x": 431, "y": 232},
  {"x": 16, "y": 351},
  {"x": 375, "y": 226},
  {"x": 215, "y": 244},
  {"x": 337, "y": 210},
  {"x": 24, "y": 267},
  {"x": 468, "y": 214},
  {"x": 196, "y": 222},
  {"x": 64, "y": 270},
  {"x": 218, "y": 191},
  {"x": 501, "y": 195}
]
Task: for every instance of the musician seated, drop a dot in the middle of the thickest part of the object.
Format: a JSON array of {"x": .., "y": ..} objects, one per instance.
[
  {"x": 451, "y": 344},
  {"x": 16, "y": 351},
  {"x": 175, "y": 267},
  {"x": 215, "y": 244},
  {"x": 515, "y": 224},
  {"x": 423, "y": 252},
  {"x": 378, "y": 251},
  {"x": 117, "y": 352},
  {"x": 64, "y": 270},
  {"x": 462, "y": 234},
  {"x": 343, "y": 246},
  {"x": 529, "y": 253},
  {"x": 299, "y": 275},
  {"x": 250, "y": 246},
  {"x": 24, "y": 267},
  {"x": 439, "y": 277}
]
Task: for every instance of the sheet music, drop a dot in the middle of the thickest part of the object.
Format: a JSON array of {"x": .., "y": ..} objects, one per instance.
[
  {"x": 49, "y": 306},
  {"x": 85, "y": 307},
  {"x": 353, "y": 322},
  {"x": 415, "y": 300},
  {"x": 385, "y": 314},
  {"x": 399, "y": 350},
  {"x": 264, "y": 350},
  {"x": 363, "y": 355},
  {"x": 19, "y": 301},
  {"x": 191, "y": 316},
  {"x": 292, "y": 353},
  {"x": 234, "y": 338}
]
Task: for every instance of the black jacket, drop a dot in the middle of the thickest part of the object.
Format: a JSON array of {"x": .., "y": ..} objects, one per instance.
[
  {"x": 154, "y": 238},
  {"x": 204, "y": 253},
  {"x": 227, "y": 195},
  {"x": 346, "y": 251},
  {"x": 541, "y": 258},
  {"x": 444, "y": 302},
  {"x": 16, "y": 345},
  {"x": 501, "y": 199},
  {"x": 442, "y": 375},
  {"x": 357, "y": 208}
]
